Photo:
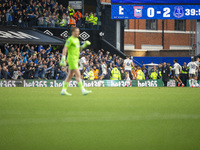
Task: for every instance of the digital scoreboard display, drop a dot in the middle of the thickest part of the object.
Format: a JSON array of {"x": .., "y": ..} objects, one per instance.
[
  {"x": 155, "y": 12},
  {"x": 157, "y": 1}
]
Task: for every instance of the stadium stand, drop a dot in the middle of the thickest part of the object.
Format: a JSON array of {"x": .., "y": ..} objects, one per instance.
[{"x": 47, "y": 13}]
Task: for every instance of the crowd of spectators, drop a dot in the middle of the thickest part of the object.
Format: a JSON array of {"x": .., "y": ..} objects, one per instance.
[
  {"x": 42, "y": 62},
  {"x": 38, "y": 62},
  {"x": 46, "y": 13}
]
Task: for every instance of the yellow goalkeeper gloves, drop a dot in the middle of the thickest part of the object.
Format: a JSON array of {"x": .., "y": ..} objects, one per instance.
[{"x": 86, "y": 43}]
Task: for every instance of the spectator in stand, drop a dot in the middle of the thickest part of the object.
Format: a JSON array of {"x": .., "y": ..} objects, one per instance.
[
  {"x": 4, "y": 73},
  {"x": 72, "y": 22},
  {"x": 9, "y": 16},
  {"x": 91, "y": 74},
  {"x": 95, "y": 21},
  {"x": 45, "y": 20},
  {"x": 96, "y": 72},
  {"x": 20, "y": 19},
  {"x": 32, "y": 19},
  {"x": 78, "y": 15},
  {"x": 123, "y": 74},
  {"x": 154, "y": 74},
  {"x": 0, "y": 72},
  {"x": 3, "y": 17},
  {"x": 171, "y": 71},
  {"x": 184, "y": 73},
  {"x": 134, "y": 73},
  {"x": 103, "y": 70},
  {"x": 109, "y": 69},
  {"x": 42, "y": 72},
  {"x": 145, "y": 71},
  {"x": 87, "y": 20},
  {"x": 51, "y": 71},
  {"x": 115, "y": 73},
  {"x": 82, "y": 22},
  {"x": 64, "y": 21},
  {"x": 165, "y": 73},
  {"x": 71, "y": 10},
  {"x": 24, "y": 18},
  {"x": 62, "y": 73},
  {"x": 79, "y": 23},
  {"x": 16, "y": 73},
  {"x": 159, "y": 71},
  {"x": 140, "y": 74},
  {"x": 52, "y": 20},
  {"x": 91, "y": 18}
]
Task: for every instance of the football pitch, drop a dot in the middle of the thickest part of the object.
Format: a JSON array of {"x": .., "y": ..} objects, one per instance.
[{"x": 107, "y": 119}]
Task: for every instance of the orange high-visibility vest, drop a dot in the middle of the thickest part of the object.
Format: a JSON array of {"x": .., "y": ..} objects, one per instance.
[
  {"x": 96, "y": 73},
  {"x": 135, "y": 74},
  {"x": 72, "y": 22},
  {"x": 78, "y": 15}
]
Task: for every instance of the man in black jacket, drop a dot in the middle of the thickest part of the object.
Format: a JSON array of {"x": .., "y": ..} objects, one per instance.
[
  {"x": 4, "y": 73},
  {"x": 0, "y": 72},
  {"x": 184, "y": 74},
  {"x": 165, "y": 73}
]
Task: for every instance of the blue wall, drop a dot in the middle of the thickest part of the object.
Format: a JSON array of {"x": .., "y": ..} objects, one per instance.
[{"x": 157, "y": 60}]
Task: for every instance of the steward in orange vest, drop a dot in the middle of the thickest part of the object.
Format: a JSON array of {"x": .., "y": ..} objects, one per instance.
[
  {"x": 72, "y": 22},
  {"x": 96, "y": 72},
  {"x": 77, "y": 15}
]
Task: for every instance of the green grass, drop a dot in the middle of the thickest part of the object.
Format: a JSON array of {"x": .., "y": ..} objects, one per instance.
[{"x": 108, "y": 119}]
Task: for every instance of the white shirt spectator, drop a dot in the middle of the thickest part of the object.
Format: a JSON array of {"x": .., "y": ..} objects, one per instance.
[
  {"x": 127, "y": 63},
  {"x": 15, "y": 75},
  {"x": 104, "y": 69},
  {"x": 192, "y": 67},
  {"x": 82, "y": 63}
]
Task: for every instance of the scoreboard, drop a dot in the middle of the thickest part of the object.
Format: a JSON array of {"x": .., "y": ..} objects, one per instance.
[
  {"x": 155, "y": 12},
  {"x": 155, "y": 9}
]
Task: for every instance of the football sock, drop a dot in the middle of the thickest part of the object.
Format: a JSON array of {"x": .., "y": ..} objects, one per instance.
[
  {"x": 65, "y": 85},
  {"x": 190, "y": 83},
  {"x": 195, "y": 82},
  {"x": 80, "y": 84}
]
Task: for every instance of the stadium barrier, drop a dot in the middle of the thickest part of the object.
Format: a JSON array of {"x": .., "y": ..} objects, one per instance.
[{"x": 86, "y": 83}]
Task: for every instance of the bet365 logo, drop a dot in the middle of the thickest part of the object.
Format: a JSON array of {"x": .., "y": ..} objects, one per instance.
[{"x": 121, "y": 10}]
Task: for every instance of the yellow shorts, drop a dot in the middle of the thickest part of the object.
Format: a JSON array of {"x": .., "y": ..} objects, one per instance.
[{"x": 73, "y": 65}]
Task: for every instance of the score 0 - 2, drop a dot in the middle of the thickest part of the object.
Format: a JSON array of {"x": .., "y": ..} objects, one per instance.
[
  {"x": 151, "y": 12},
  {"x": 166, "y": 12}
]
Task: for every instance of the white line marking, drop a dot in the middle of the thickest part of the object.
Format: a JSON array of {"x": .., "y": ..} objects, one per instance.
[{"x": 90, "y": 117}]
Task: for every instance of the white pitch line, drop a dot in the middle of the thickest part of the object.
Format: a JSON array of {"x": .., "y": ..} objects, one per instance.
[{"x": 110, "y": 118}]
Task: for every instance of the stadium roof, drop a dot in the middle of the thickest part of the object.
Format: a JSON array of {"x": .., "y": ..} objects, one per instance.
[{"x": 14, "y": 35}]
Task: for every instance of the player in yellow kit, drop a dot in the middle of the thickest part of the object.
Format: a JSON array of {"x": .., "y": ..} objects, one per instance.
[{"x": 72, "y": 49}]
